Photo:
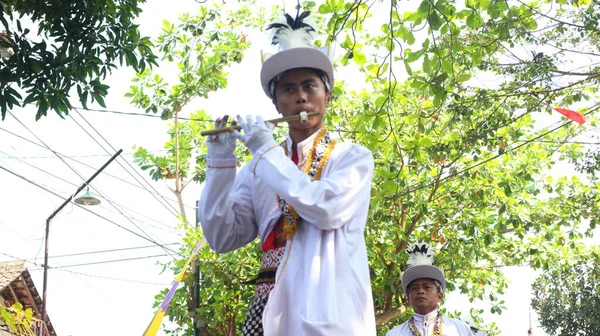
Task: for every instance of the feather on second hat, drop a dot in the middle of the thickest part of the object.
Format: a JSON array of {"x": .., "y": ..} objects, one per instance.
[
  {"x": 420, "y": 266},
  {"x": 296, "y": 50}
]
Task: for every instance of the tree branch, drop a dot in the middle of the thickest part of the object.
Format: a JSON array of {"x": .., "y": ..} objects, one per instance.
[
  {"x": 390, "y": 314},
  {"x": 550, "y": 17}
]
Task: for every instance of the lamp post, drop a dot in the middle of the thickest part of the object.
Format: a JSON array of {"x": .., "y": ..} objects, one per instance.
[
  {"x": 86, "y": 199},
  {"x": 196, "y": 282}
]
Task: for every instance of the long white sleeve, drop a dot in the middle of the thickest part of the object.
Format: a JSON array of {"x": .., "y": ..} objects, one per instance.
[
  {"x": 329, "y": 202},
  {"x": 226, "y": 209}
]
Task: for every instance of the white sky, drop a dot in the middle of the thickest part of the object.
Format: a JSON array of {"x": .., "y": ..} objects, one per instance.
[{"x": 85, "y": 304}]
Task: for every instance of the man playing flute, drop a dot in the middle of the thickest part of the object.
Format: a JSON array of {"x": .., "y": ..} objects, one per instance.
[{"x": 306, "y": 198}]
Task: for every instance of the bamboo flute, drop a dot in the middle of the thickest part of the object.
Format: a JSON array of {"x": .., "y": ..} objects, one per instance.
[{"x": 273, "y": 121}]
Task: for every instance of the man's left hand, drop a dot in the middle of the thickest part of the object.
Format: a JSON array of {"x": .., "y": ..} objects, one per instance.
[{"x": 256, "y": 133}]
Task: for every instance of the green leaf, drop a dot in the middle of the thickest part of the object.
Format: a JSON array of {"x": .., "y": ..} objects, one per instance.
[
  {"x": 359, "y": 58},
  {"x": 389, "y": 187},
  {"x": 426, "y": 142},
  {"x": 477, "y": 55},
  {"x": 100, "y": 100},
  {"x": 464, "y": 77},
  {"x": 413, "y": 56},
  {"x": 30, "y": 98},
  {"x": 447, "y": 67},
  {"x": 426, "y": 64},
  {"x": 474, "y": 20},
  {"x": 408, "y": 69},
  {"x": 405, "y": 34},
  {"x": 324, "y": 9},
  {"x": 434, "y": 21},
  {"x": 456, "y": 46}
]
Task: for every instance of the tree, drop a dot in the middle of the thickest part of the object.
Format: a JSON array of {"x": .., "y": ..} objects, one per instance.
[
  {"x": 201, "y": 46},
  {"x": 76, "y": 45},
  {"x": 567, "y": 297},
  {"x": 459, "y": 164},
  {"x": 18, "y": 320}
]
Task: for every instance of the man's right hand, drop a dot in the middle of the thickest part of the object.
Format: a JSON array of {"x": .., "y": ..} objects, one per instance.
[{"x": 222, "y": 145}]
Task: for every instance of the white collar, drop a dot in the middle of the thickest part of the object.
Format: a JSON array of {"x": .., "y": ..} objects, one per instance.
[
  {"x": 427, "y": 317},
  {"x": 303, "y": 147}
]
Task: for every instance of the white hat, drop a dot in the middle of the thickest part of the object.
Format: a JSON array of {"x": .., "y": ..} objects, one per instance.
[
  {"x": 420, "y": 266},
  {"x": 296, "y": 50}
]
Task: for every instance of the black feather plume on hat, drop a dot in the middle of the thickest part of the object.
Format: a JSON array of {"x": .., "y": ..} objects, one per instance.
[
  {"x": 292, "y": 33},
  {"x": 419, "y": 254}
]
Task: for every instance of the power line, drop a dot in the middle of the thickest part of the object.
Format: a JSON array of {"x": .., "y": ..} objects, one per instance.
[
  {"x": 168, "y": 229},
  {"x": 84, "y": 274},
  {"x": 139, "y": 114},
  {"x": 75, "y": 185},
  {"x": 109, "y": 202},
  {"x": 17, "y": 233},
  {"x": 76, "y": 274},
  {"x": 75, "y": 156},
  {"x": 524, "y": 142},
  {"x": 76, "y": 172},
  {"x": 108, "y": 251},
  {"x": 81, "y": 207},
  {"x": 173, "y": 211},
  {"x": 110, "y": 278},
  {"x": 91, "y": 167},
  {"x": 565, "y": 142},
  {"x": 16, "y": 258},
  {"x": 111, "y": 261}
]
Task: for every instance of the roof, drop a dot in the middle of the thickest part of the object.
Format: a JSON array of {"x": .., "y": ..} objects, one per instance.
[
  {"x": 9, "y": 271},
  {"x": 16, "y": 285}
]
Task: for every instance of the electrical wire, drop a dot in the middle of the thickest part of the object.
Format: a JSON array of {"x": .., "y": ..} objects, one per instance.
[
  {"x": 442, "y": 180},
  {"x": 107, "y": 251},
  {"x": 110, "y": 278},
  {"x": 109, "y": 201},
  {"x": 139, "y": 114},
  {"x": 111, "y": 261},
  {"x": 76, "y": 156},
  {"x": 172, "y": 210},
  {"x": 94, "y": 168},
  {"x": 17, "y": 233},
  {"x": 81, "y": 207},
  {"x": 41, "y": 267},
  {"x": 166, "y": 227}
]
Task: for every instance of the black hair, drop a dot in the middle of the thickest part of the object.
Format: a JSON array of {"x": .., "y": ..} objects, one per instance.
[
  {"x": 438, "y": 284},
  {"x": 320, "y": 73}
]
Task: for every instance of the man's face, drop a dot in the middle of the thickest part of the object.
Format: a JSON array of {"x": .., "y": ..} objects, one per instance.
[
  {"x": 301, "y": 90},
  {"x": 424, "y": 296}
]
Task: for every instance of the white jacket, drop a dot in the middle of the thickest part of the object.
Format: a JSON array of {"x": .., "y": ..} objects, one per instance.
[
  {"x": 450, "y": 326},
  {"x": 325, "y": 287}
]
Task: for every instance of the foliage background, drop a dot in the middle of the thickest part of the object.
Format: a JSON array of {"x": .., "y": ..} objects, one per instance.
[{"x": 461, "y": 162}]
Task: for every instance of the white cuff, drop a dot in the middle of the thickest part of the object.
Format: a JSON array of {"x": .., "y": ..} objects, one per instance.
[{"x": 221, "y": 163}]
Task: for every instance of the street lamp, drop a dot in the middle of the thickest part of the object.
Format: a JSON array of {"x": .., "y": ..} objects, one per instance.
[{"x": 86, "y": 199}]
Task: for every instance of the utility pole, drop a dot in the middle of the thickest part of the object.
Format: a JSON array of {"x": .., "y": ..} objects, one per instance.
[
  {"x": 67, "y": 201},
  {"x": 196, "y": 282}
]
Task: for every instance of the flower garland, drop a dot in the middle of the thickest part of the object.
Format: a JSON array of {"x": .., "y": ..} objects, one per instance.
[
  {"x": 313, "y": 167},
  {"x": 437, "y": 329}
]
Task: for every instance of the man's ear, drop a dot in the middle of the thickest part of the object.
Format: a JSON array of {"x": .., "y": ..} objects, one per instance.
[
  {"x": 327, "y": 98},
  {"x": 440, "y": 296}
]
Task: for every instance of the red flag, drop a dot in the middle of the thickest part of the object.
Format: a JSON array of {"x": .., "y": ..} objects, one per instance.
[{"x": 575, "y": 116}]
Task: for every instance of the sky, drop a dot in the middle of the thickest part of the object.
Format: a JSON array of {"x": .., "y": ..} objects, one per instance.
[{"x": 116, "y": 298}]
